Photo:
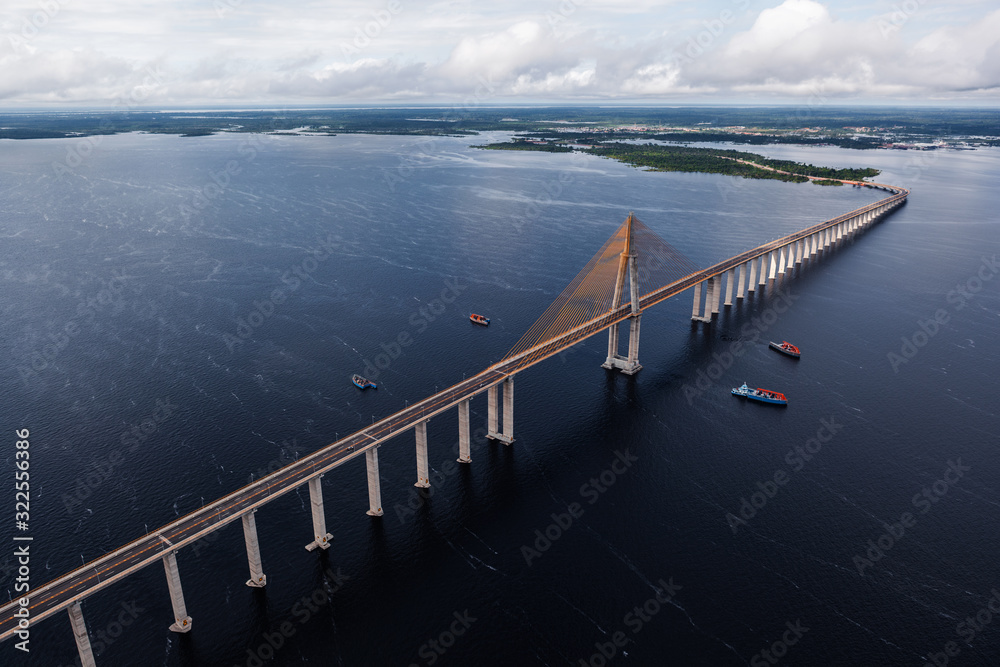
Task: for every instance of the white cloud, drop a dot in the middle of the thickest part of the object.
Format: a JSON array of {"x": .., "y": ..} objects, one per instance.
[{"x": 439, "y": 50}]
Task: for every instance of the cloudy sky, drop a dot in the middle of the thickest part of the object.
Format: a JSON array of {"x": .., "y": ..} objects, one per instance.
[{"x": 57, "y": 53}]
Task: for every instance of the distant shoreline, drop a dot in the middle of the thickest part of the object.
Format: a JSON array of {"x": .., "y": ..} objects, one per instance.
[{"x": 858, "y": 128}]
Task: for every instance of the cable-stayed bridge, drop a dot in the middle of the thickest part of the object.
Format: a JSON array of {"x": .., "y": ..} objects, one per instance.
[{"x": 633, "y": 270}]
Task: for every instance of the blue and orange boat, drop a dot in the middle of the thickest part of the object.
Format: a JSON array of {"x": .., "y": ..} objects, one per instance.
[
  {"x": 362, "y": 382},
  {"x": 762, "y": 395},
  {"x": 479, "y": 319}
]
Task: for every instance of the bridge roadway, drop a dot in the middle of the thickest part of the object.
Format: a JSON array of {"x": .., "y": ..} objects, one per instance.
[{"x": 151, "y": 548}]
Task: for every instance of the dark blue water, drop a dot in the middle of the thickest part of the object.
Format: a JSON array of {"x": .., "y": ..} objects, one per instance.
[{"x": 220, "y": 291}]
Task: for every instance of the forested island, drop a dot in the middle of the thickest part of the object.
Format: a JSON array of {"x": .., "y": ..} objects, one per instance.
[{"x": 660, "y": 157}]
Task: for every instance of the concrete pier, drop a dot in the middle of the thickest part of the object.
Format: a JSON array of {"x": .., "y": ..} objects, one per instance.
[
  {"x": 716, "y": 296},
  {"x": 464, "y": 449},
  {"x": 752, "y": 280},
  {"x": 80, "y": 633},
  {"x": 773, "y": 262},
  {"x": 507, "y": 389},
  {"x": 613, "y": 334},
  {"x": 423, "y": 478},
  {"x": 182, "y": 622},
  {"x": 257, "y": 577},
  {"x": 374, "y": 488},
  {"x": 322, "y": 538},
  {"x": 730, "y": 278},
  {"x": 781, "y": 260},
  {"x": 491, "y": 412},
  {"x": 632, "y": 365},
  {"x": 508, "y": 410},
  {"x": 741, "y": 280},
  {"x": 696, "y": 308},
  {"x": 762, "y": 278}
]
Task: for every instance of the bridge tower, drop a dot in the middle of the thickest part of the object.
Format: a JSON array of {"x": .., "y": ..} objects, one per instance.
[{"x": 627, "y": 263}]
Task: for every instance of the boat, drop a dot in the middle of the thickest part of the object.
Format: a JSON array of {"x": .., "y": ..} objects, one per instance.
[
  {"x": 762, "y": 395},
  {"x": 479, "y": 319},
  {"x": 786, "y": 347},
  {"x": 362, "y": 382}
]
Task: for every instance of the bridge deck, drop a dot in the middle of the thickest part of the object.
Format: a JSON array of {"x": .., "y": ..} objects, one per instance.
[{"x": 149, "y": 549}]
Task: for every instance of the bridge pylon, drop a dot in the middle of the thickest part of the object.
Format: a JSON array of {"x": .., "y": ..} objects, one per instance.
[{"x": 628, "y": 263}]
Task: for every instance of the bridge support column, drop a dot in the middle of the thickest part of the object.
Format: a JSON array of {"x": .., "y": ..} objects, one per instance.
[
  {"x": 706, "y": 313},
  {"x": 741, "y": 275},
  {"x": 696, "y": 308},
  {"x": 508, "y": 409},
  {"x": 257, "y": 577},
  {"x": 773, "y": 262},
  {"x": 716, "y": 296},
  {"x": 632, "y": 365},
  {"x": 374, "y": 487},
  {"x": 730, "y": 278},
  {"x": 781, "y": 260},
  {"x": 182, "y": 622},
  {"x": 491, "y": 411},
  {"x": 423, "y": 478},
  {"x": 464, "y": 450},
  {"x": 507, "y": 388},
  {"x": 800, "y": 251},
  {"x": 764, "y": 259},
  {"x": 80, "y": 633},
  {"x": 323, "y": 538},
  {"x": 752, "y": 280},
  {"x": 612, "y": 346}
]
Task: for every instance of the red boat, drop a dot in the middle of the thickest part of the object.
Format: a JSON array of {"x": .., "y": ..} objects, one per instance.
[
  {"x": 479, "y": 319},
  {"x": 786, "y": 348}
]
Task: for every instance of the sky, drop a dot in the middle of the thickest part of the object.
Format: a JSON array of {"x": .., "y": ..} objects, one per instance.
[{"x": 162, "y": 53}]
